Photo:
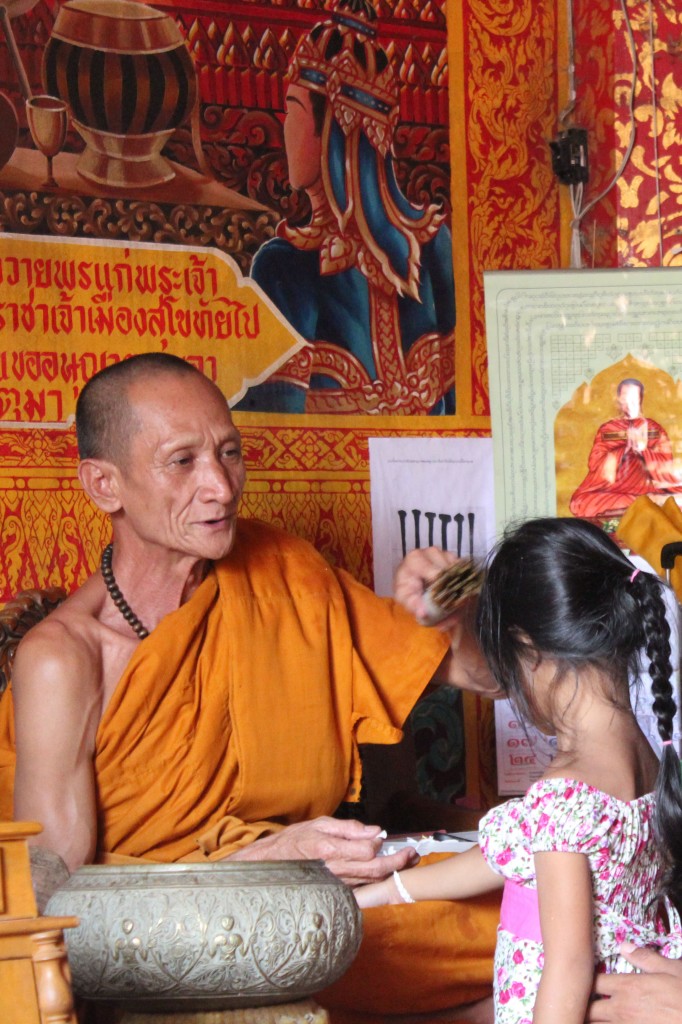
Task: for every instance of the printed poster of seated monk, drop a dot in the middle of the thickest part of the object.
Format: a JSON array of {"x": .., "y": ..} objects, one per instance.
[{"x": 619, "y": 437}]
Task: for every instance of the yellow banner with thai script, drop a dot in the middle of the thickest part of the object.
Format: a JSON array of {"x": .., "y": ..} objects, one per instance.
[{"x": 71, "y": 307}]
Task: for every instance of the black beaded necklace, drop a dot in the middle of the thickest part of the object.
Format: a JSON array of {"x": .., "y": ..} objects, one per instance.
[{"x": 116, "y": 595}]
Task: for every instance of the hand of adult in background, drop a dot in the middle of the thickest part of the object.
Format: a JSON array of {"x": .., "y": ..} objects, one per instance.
[
  {"x": 654, "y": 995},
  {"x": 348, "y": 848},
  {"x": 464, "y": 666}
]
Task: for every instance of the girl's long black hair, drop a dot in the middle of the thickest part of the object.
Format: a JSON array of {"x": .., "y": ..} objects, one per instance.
[{"x": 561, "y": 588}]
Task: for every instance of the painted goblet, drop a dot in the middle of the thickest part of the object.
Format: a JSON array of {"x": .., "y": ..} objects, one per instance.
[{"x": 48, "y": 121}]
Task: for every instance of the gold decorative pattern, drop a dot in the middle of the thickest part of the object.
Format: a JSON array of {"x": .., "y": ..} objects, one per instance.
[
  {"x": 310, "y": 480},
  {"x": 238, "y": 233},
  {"x": 594, "y": 109},
  {"x": 510, "y": 111},
  {"x": 639, "y": 221}
]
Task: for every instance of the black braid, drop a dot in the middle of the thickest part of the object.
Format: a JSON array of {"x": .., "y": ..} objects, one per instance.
[
  {"x": 668, "y": 820},
  {"x": 657, "y": 645}
]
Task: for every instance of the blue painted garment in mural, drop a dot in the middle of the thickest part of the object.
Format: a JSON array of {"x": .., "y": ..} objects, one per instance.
[
  {"x": 336, "y": 311},
  {"x": 369, "y": 280}
]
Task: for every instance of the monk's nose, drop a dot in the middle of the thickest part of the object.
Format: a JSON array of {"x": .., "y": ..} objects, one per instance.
[{"x": 218, "y": 483}]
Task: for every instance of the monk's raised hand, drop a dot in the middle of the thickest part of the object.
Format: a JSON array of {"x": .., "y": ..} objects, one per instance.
[
  {"x": 414, "y": 574},
  {"x": 463, "y": 666},
  {"x": 348, "y": 848}
]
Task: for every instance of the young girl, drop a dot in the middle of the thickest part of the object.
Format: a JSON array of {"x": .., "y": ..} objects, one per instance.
[{"x": 590, "y": 856}]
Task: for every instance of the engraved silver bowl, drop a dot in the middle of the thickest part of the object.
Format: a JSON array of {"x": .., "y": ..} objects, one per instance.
[{"x": 207, "y": 936}]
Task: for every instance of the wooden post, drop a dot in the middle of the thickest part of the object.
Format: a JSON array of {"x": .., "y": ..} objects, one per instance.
[{"x": 35, "y": 981}]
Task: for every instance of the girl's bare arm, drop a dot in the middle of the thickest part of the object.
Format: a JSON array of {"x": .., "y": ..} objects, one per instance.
[
  {"x": 460, "y": 876},
  {"x": 566, "y": 920}
]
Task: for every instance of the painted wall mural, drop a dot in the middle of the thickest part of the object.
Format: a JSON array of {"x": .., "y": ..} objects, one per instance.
[
  {"x": 501, "y": 66},
  {"x": 366, "y": 279},
  {"x": 225, "y": 186}
]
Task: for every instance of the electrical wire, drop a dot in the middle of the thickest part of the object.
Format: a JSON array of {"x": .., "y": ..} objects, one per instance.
[
  {"x": 654, "y": 105},
  {"x": 570, "y": 106},
  {"x": 577, "y": 191}
]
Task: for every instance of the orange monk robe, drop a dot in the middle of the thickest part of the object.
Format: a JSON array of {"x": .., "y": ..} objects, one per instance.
[
  {"x": 618, "y": 475},
  {"x": 241, "y": 713},
  {"x": 647, "y": 527}
]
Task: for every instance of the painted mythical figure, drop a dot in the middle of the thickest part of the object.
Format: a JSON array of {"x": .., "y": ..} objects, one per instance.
[{"x": 368, "y": 281}]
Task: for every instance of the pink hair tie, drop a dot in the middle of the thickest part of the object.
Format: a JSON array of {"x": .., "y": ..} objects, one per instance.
[
  {"x": 667, "y": 743},
  {"x": 635, "y": 573}
]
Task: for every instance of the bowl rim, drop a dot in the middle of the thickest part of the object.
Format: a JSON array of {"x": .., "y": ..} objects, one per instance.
[{"x": 187, "y": 867}]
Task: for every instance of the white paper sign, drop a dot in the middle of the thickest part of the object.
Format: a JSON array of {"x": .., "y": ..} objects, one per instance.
[
  {"x": 429, "y": 491},
  {"x": 523, "y": 755}
]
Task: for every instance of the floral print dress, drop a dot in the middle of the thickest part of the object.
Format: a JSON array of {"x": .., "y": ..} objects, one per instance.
[{"x": 568, "y": 816}]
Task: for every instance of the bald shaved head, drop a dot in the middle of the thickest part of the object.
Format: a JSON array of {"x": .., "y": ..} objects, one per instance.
[{"x": 105, "y": 420}]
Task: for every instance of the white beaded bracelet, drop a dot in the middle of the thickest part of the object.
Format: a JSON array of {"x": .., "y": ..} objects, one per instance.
[{"x": 402, "y": 891}]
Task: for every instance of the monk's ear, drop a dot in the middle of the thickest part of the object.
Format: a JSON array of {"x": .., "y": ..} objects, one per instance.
[{"x": 100, "y": 480}]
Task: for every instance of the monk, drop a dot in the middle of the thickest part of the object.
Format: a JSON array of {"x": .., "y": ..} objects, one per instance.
[
  {"x": 631, "y": 455},
  {"x": 203, "y": 695}
]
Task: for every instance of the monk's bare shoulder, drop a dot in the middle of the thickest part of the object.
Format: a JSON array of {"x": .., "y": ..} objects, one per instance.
[
  {"x": 58, "y": 696},
  {"x": 66, "y": 646},
  {"x": 52, "y": 653},
  {"x": 76, "y": 655}
]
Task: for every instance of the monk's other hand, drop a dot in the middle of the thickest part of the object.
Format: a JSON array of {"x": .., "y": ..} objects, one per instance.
[
  {"x": 348, "y": 848},
  {"x": 414, "y": 574},
  {"x": 653, "y": 995}
]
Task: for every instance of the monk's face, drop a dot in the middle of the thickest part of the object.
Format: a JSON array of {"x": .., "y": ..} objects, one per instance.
[
  {"x": 630, "y": 401},
  {"x": 184, "y": 474}
]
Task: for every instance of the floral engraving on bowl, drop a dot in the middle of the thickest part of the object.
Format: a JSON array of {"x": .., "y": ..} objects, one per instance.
[{"x": 208, "y": 936}]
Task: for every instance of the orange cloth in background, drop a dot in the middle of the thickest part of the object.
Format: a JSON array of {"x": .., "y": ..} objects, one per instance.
[
  {"x": 6, "y": 756},
  {"x": 647, "y": 527},
  {"x": 418, "y": 958}
]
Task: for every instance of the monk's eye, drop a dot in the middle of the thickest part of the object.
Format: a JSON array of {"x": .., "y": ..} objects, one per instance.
[{"x": 232, "y": 452}]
